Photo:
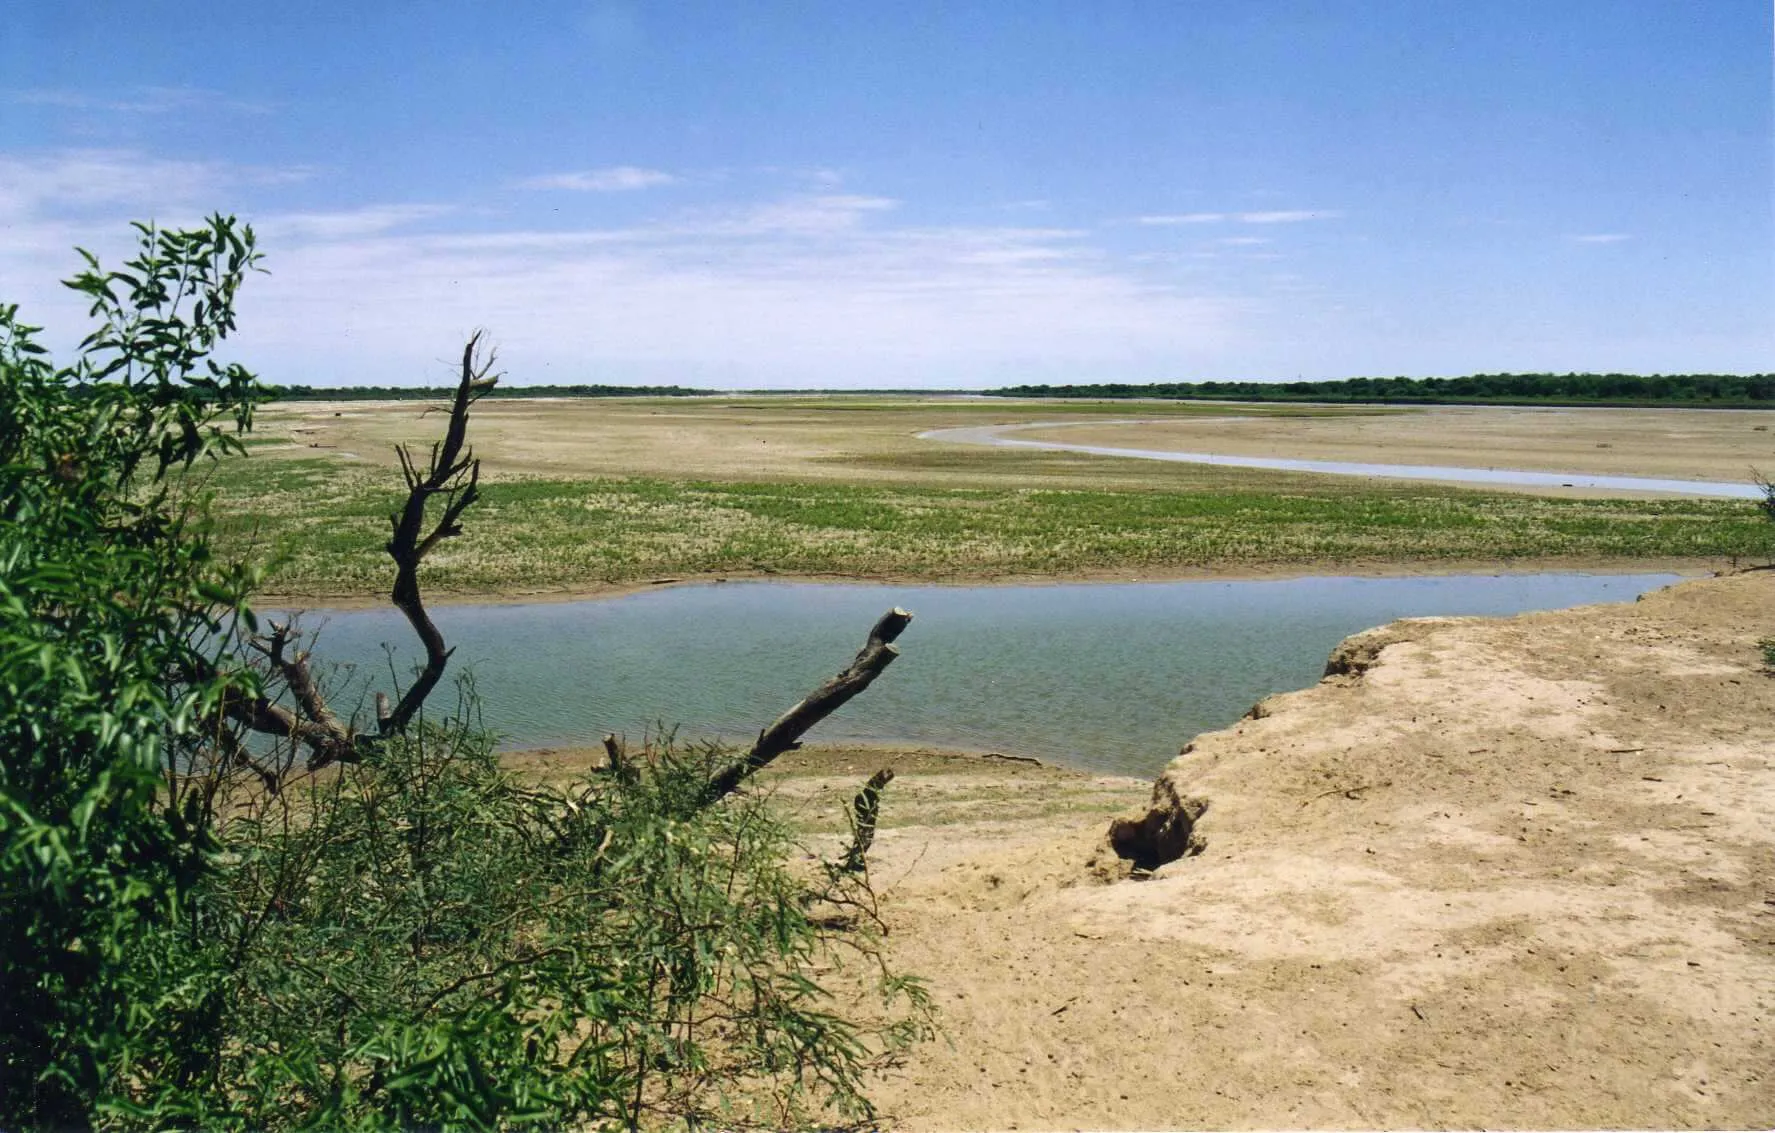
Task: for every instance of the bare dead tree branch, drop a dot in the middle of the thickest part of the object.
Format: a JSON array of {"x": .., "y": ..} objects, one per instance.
[
  {"x": 326, "y": 744},
  {"x": 314, "y": 724},
  {"x": 454, "y": 474},
  {"x": 784, "y": 734},
  {"x": 296, "y": 673},
  {"x": 617, "y": 759},
  {"x": 236, "y": 753}
]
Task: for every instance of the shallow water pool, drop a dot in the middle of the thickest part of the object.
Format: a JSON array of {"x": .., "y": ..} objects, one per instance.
[{"x": 1109, "y": 677}]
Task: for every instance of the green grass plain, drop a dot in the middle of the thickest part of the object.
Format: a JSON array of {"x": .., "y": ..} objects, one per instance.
[{"x": 577, "y": 502}]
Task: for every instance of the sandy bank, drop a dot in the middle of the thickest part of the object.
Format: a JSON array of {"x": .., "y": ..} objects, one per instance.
[{"x": 1515, "y": 872}]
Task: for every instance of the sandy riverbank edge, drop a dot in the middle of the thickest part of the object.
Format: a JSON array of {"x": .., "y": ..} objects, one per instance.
[{"x": 1513, "y": 872}]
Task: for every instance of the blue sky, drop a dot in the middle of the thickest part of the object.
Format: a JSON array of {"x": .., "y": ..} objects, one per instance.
[{"x": 753, "y": 194}]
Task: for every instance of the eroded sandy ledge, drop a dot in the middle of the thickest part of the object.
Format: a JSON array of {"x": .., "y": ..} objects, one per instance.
[{"x": 1514, "y": 872}]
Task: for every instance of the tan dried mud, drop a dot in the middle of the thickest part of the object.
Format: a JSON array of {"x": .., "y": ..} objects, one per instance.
[
  {"x": 1712, "y": 444},
  {"x": 819, "y": 439},
  {"x": 1505, "y": 873},
  {"x": 876, "y": 440}
]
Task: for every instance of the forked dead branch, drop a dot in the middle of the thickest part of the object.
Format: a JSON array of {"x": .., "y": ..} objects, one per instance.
[{"x": 453, "y": 474}]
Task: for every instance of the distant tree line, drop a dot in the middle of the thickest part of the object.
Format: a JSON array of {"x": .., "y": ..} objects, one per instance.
[
  {"x": 1752, "y": 391},
  {"x": 443, "y": 393}
]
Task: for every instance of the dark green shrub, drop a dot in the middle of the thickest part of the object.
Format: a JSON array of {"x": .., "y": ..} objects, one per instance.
[
  {"x": 421, "y": 940},
  {"x": 107, "y": 592}
]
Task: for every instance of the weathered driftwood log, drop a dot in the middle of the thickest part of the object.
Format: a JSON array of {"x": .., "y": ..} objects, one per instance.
[{"x": 784, "y": 734}]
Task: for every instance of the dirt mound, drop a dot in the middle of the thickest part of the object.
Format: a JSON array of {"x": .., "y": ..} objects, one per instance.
[
  {"x": 1165, "y": 832},
  {"x": 1513, "y": 872}
]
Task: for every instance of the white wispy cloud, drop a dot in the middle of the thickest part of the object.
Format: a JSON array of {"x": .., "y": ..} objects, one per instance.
[
  {"x": 815, "y": 178},
  {"x": 1182, "y": 218},
  {"x": 1279, "y": 216},
  {"x": 74, "y": 180},
  {"x": 945, "y": 304},
  {"x": 139, "y": 100},
  {"x": 1601, "y": 237},
  {"x": 64, "y": 183},
  {"x": 347, "y": 224},
  {"x": 614, "y": 179},
  {"x": 1288, "y": 216},
  {"x": 819, "y": 289},
  {"x": 827, "y": 212}
]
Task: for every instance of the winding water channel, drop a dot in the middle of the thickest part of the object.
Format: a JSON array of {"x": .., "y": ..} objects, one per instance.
[
  {"x": 994, "y": 435},
  {"x": 1110, "y": 677}
]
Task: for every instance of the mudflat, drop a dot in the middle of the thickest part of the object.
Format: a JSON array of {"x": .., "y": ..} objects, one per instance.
[
  {"x": 858, "y": 438},
  {"x": 819, "y": 438},
  {"x": 1725, "y": 445}
]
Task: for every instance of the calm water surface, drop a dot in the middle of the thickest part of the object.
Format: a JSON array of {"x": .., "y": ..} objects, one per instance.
[{"x": 1112, "y": 677}]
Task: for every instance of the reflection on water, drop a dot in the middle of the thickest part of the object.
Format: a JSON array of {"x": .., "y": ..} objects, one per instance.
[{"x": 1111, "y": 677}]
